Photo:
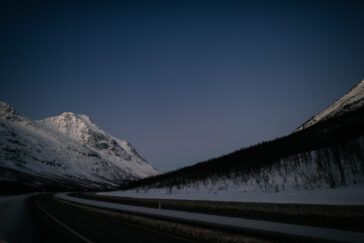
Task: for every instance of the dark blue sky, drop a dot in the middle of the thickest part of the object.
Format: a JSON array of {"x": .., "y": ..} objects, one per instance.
[{"x": 183, "y": 81}]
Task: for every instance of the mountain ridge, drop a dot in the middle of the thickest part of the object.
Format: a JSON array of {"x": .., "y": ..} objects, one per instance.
[
  {"x": 352, "y": 100},
  {"x": 68, "y": 147}
]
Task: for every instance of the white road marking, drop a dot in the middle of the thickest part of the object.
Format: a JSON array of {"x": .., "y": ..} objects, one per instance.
[{"x": 67, "y": 227}]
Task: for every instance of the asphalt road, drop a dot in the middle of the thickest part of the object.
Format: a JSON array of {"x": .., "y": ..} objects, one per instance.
[
  {"x": 58, "y": 222},
  {"x": 41, "y": 218},
  {"x": 16, "y": 222},
  {"x": 270, "y": 229}
]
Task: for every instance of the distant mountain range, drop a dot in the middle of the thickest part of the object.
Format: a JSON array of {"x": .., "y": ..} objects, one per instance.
[
  {"x": 66, "y": 151},
  {"x": 325, "y": 152},
  {"x": 69, "y": 152}
]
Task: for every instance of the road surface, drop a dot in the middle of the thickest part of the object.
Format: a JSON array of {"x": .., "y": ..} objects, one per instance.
[
  {"x": 41, "y": 218},
  {"x": 61, "y": 223},
  {"x": 16, "y": 221},
  {"x": 267, "y": 228}
]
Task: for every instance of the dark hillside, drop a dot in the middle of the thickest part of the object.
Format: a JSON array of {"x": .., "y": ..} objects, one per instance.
[{"x": 337, "y": 140}]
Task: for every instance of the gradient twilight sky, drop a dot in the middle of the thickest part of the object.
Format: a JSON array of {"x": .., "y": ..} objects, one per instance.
[{"x": 182, "y": 81}]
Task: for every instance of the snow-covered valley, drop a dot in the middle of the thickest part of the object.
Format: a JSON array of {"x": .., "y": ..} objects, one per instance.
[{"x": 321, "y": 162}]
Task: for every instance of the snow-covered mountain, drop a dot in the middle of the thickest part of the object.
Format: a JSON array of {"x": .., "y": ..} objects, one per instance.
[
  {"x": 68, "y": 148},
  {"x": 349, "y": 102}
]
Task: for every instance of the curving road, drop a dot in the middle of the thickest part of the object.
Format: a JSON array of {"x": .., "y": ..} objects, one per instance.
[
  {"x": 271, "y": 229},
  {"x": 58, "y": 222},
  {"x": 41, "y": 218}
]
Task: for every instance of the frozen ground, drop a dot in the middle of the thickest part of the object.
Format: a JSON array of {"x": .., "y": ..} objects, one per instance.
[
  {"x": 353, "y": 195},
  {"x": 16, "y": 224}
]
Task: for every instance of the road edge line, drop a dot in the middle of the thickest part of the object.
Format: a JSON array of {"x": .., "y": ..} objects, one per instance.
[{"x": 64, "y": 225}]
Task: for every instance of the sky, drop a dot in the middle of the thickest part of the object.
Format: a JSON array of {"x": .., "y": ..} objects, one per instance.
[{"x": 182, "y": 81}]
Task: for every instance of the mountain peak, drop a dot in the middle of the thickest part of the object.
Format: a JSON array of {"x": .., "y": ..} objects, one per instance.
[
  {"x": 74, "y": 125},
  {"x": 68, "y": 114},
  {"x": 353, "y": 100},
  {"x": 68, "y": 149},
  {"x": 71, "y": 115},
  {"x": 81, "y": 129},
  {"x": 9, "y": 113},
  {"x": 70, "y": 118},
  {"x": 5, "y": 109}
]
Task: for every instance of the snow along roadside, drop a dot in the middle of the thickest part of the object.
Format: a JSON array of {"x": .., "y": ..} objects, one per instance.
[
  {"x": 351, "y": 195},
  {"x": 226, "y": 222}
]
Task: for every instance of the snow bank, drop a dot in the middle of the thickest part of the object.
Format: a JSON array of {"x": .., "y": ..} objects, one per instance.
[{"x": 353, "y": 195}]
